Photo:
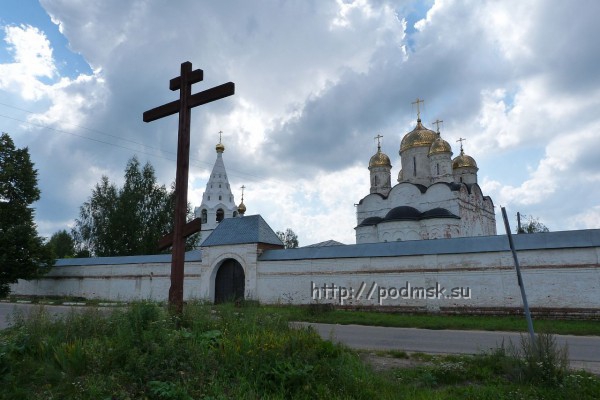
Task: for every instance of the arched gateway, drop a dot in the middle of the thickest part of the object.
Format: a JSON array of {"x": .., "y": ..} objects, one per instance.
[{"x": 230, "y": 282}]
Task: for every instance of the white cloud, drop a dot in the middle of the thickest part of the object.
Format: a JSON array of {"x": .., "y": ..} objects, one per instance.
[
  {"x": 32, "y": 55},
  {"x": 315, "y": 81}
]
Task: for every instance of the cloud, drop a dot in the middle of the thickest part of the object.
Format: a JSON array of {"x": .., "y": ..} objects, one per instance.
[{"x": 315, "y": 82}]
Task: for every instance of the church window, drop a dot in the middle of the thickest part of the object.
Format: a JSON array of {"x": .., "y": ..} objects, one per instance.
[
  {"x": 204, "y": 216},
  {"x": 208, "y": 198},
  {"x": 375, "y": 181},
  {"x": 220, "y": 215},
  {"x": 219, "y": 186},
  {"x": 230, "y": 199},
  {"x": 235, "y": 214},
  {"x": 437, "y": 168},
  {"x": 220, "y": 197},
  {"x": 461, "y": 179},
  {"x": 414, "y": 166}
]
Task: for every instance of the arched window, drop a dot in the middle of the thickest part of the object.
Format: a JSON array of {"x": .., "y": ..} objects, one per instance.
[
  {"x": 437, "y": 168},
  {"x": 204, "y": 216},
  {"x": 235, "y": 214},
  {"x": 220, "y": 197},
  {"x": 220, "y": 215},
  {"x": 414, "y": 166}
]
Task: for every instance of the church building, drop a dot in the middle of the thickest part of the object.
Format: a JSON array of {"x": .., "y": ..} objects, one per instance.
[
  {"x": 217, "y": 200},
  {"x": 436, "y": 196}
]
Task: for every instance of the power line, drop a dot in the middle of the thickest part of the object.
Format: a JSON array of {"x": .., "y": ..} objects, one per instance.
[{"x": 240, "y": 174}]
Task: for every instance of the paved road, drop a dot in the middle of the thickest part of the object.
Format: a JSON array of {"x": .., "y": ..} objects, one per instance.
[
  {"x": 8, "y": 310},
  {"x": 584, "y": 351}
]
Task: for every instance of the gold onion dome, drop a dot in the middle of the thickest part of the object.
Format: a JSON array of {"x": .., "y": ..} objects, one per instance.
[
  {"x": 242, "y": 208},
  {"x": 418, "y": 137},
  {"x": 439, "y": 145},
  {"x": 220, "y": 147},
  {"x": 463, "y": 161},
  {"x": 380, "y": 159}
]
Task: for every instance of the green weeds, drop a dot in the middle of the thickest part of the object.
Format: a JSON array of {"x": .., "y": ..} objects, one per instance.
[{"x": 247, "y": 352}]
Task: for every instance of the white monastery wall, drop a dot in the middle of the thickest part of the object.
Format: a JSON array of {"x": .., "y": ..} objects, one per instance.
[{"x": 561, "y": 270}]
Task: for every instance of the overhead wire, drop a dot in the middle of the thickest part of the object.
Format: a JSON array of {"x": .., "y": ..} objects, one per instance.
[{"x": 239, "y": 174}]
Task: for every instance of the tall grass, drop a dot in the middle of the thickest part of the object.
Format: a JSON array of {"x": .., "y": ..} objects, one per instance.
[
  {"x": 237, "y": 352},
  {"x": 143, "y": 352}
]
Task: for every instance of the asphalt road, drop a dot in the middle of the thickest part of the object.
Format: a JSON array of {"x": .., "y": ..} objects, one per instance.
[
  {"x": 584, "y": 351},
  {"x": 8, "y": 310}
]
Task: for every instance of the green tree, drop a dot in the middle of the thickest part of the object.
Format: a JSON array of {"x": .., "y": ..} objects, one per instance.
[
  {"x": 289, "y": 238},
  {"x": 128, "y": 220},
  {"x": 23, "y": 254},
  {"x": 62, "y": 244},
  {"x": 533, "y": 225}
]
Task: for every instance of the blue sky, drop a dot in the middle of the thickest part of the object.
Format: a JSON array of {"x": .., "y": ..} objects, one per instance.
[{"x": 315, "y": 82}]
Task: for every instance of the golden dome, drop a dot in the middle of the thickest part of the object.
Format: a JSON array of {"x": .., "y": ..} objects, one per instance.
[
  {"x": 242, "y": 208},
  {"x": 463, "y": 161},
  {"x": 380, "y": 159},
  {"x": 420, "y": 136},
  {"x": 220, "y": 147},
  {"x": 439, "y": 145}
]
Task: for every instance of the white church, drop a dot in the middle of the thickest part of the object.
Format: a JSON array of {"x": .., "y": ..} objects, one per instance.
[
  {"x": 432, "y": 232},
  {"x": 437, "y": 197}
]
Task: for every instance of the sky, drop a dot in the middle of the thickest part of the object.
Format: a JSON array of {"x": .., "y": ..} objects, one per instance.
[{"x": 315, "y": 82}]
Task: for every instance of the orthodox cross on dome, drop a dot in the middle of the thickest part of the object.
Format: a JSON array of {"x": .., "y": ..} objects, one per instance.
[
  {"x": 418, "y": 108},
  {"x": 183, "y": 107},
  {"x": 243, "y": 187},
  {"x": 220, "y": 133},
  {"x": 461, "y": 145},
  {"x": 437, "y": 123},
  {"x": 378, "y": 141}
]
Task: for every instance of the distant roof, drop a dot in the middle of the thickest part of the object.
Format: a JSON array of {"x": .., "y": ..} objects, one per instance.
[
  {"x": 240, "y": 230},
  {"x": 326, "y": 244}
]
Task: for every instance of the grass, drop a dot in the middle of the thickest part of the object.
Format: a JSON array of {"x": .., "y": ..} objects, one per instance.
[
  {"x": 247, "y": 352},
  {"x": 432, "y": 321}
]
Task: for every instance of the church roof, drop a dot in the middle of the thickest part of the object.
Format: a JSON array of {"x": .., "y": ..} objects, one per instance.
[
  {"x": 249, "y": 229},
  {"x": 407, "y": 213},
  {"x": 326, "y": 244},
  {"x": 418, "y": 137}
]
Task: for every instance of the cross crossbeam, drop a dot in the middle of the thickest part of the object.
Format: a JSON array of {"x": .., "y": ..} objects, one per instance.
[{"x": 189, "y": 229}]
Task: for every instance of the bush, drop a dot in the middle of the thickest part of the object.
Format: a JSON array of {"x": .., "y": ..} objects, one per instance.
[{"x": 542, "y": 362}]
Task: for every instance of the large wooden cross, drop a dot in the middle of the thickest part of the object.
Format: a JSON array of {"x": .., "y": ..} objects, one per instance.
[{"x": 183, "y": 106}]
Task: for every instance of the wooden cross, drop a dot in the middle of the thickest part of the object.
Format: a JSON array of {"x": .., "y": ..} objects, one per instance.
[
  {"x": 183, "y": 106},
  {"x": 437, "y": 123},
  {"x": 461, "y": 140},
  {"x": 418, "y": 109}
]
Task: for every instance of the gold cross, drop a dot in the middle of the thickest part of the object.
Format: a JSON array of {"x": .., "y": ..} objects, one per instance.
[
  {"x": 437, "y": 123},
  {"x": 243, "y": 187},
  {"x": 461, "y": 146},
  {"x": 220, "y": 133},
  {"x": 378, "y": 137},
  {"x": 418, "y": 108}
]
